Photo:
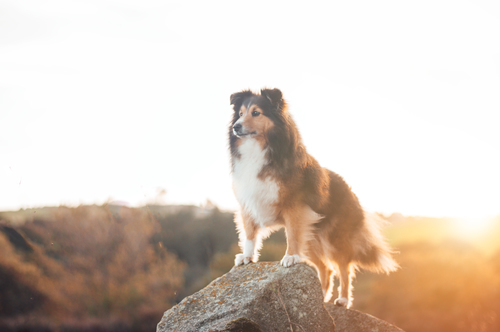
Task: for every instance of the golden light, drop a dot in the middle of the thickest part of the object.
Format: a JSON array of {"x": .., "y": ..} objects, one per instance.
[{"x": 472, "y": 228}]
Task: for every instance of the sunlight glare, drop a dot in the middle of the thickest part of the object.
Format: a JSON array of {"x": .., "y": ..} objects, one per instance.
[{"x": 472, "y": 227}]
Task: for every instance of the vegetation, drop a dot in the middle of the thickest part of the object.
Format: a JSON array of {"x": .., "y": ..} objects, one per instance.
[
  {"x": 87, "y": 266},
  {"x": 113, "y": 268}
]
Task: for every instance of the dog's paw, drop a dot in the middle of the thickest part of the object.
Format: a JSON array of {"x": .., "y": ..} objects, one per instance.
[
  {"x": 240, "y": 259},
  {"x": 342, "y": 302},
  {"x": 289, "y": 260}
]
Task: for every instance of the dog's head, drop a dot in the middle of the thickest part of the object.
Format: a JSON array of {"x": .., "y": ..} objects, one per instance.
[{"x": 255, "y": 114}]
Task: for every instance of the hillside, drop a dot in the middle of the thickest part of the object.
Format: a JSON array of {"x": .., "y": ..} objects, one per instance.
[{"x": 107, "y": 265}]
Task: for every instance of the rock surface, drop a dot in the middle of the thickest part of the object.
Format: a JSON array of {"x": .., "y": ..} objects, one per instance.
[
  {"x": 267, "y": 295},
  {"x": 348, "y": 320}
]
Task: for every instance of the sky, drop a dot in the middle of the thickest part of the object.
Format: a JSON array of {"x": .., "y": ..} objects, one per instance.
[{"x": 128, "y": 101}]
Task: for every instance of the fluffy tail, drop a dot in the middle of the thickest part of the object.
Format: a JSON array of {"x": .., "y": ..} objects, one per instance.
[{"x": 374, "y": 252}]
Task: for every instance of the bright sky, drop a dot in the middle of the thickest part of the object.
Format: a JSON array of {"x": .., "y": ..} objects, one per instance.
[{"x": 114, "y": 100}]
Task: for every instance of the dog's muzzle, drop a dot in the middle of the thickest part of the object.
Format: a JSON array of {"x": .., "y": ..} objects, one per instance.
[{"x": 238, "y": 129}]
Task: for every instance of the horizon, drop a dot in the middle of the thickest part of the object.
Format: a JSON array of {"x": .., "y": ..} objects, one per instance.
[
  {"x": 130, "y": 101},
  {"x": 209, "y": 205}
]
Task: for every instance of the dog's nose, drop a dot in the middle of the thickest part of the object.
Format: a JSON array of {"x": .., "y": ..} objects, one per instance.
[{"x": 237, "y": 127}]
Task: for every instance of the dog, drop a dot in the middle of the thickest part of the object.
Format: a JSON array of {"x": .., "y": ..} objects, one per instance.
[{"x": 278, "y": 184}]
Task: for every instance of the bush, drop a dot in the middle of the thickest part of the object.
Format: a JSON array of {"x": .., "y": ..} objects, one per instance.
[{"x": 87, "y": 263}]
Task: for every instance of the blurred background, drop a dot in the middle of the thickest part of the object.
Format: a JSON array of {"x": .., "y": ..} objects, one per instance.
[{"x": 115, "y": 188}]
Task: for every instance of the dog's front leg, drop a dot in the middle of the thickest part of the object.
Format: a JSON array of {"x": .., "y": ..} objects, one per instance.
[
  {"x": 248, "y": 233},
  {"x": 248, "y": 253},
  {"x": 292, "y": 256},
  {"x": 293, "y": 241},
  {"x": 299, "y": 228}
]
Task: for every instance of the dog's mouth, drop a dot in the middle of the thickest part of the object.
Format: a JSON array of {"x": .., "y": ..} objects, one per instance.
[{"x": 240, "y": 135}]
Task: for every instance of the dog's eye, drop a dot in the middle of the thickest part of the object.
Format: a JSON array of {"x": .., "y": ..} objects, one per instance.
[
  {"x": 241, "y": 113},
  {"x": 255, "y": 113}
]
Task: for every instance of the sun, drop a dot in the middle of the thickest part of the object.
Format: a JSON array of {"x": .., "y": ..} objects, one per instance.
[{"x": 472, "y": 228}]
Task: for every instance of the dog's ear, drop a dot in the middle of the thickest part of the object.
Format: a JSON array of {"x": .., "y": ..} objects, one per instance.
[
  {"x": 238, "y": 97},
  {"x": 274, "y": 96}
]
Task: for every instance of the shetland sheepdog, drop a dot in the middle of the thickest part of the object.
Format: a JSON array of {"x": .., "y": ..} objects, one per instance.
[{"x": 278, "y": 184}]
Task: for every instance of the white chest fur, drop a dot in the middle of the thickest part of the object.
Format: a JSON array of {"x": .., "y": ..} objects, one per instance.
[{"x": 256, "y": 197}]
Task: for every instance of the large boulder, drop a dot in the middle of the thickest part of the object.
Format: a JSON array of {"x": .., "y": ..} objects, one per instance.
[
  {"x": 265, "y": 297},
  {"x": 262, "y": 296},
  {"x": 348, "y": 320}
]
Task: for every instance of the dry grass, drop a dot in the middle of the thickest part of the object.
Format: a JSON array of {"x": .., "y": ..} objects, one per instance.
[{"x": 88, "y": 263}]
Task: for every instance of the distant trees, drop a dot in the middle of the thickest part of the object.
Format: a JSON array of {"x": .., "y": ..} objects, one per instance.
[{"x": 196, "y": 236}]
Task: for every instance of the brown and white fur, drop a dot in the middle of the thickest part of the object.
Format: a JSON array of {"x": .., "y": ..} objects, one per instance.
[{"x": 278, "y": 184}]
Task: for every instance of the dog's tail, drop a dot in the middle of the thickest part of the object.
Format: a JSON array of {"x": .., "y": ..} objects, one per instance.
[{"x": 374, "y": 253}]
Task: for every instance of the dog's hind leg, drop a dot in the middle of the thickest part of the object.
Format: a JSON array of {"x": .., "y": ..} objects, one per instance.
[
  {"x": 325, "y": 274},
  {"x": 346, "y": 273}
]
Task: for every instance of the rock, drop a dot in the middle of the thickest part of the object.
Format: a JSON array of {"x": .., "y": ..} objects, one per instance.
[
  {"x": 261, "y": 296},
  {"x": 348, "y": 320},
  {"x": 266, "y": 297},
  {"x": 242, "y": 324}
]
